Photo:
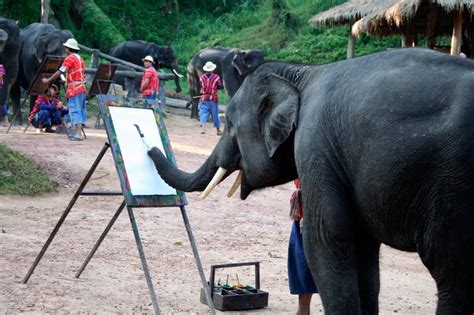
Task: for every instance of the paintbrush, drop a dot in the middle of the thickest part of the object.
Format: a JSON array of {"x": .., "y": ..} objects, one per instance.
[{"x": 142, "y": 136}]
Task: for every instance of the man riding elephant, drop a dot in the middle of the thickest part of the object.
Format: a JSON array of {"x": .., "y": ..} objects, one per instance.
[{"x": 231, "y": 75}]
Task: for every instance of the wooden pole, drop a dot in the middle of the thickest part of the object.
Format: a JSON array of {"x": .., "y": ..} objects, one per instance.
[
  {"x": 457, "y": 33},
  {"x": 431, "y": 26},
  {"x": 44, "y": 11},
  {"x": 351, "y": 45}
]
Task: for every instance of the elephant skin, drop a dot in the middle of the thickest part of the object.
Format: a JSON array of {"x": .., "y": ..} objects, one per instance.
[
  {"x": 9, "y": 54},
  {"x": 38, "y": 40},
  {"x": 233, "y": 64},
  {"x": 135, "y": 50},
  {"x": 384, "y": 148}
]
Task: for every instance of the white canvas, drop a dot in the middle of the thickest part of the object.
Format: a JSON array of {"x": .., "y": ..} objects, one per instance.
[{"x": 141, "y": 172}]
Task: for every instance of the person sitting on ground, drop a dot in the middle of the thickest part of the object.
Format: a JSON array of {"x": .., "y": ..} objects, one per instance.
[
  {"x": 5, "y": 106},
  {"x": 48, "y": 111},
  {"x": 208, "y": 103},
  {"x": 299, "y": 276}
]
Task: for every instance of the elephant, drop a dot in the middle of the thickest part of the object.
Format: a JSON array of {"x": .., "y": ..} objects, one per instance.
[
  {"x": 38, "y": 40},
  {"x": 133, "y": 51},
  {"x": 383, "y": 146},
  {"x": 232, "y": 74},
  {"x": 9, "y": 54}
]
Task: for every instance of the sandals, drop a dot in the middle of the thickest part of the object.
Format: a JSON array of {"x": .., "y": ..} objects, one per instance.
[{"x": 75, "y": 138}]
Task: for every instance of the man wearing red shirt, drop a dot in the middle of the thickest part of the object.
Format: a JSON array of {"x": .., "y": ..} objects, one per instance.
[
  {"x": 76, "y": 87},
  {"x": 150, "y": 81}
]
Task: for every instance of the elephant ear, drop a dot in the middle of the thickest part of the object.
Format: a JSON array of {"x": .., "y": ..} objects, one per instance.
[
  {"x": 247, "y": 61},
  {"x": 278, "y": 111},
  {"x": 40, "y": 43}
]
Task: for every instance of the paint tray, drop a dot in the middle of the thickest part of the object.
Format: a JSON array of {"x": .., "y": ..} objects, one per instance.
[{"x": 236, "y": 299}]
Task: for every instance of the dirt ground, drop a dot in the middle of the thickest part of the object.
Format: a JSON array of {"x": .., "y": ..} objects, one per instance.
[{"x": 226, "y": 230}]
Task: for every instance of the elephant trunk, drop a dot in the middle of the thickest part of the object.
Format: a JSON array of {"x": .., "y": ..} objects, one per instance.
[{"x": 180, "y": 180}]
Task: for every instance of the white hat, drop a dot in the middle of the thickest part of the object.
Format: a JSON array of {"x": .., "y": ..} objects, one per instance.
[
  {"x": 209, "y": 66},
  {"x": 71, "y": 43},
  {"x": 149, "y": 58}
]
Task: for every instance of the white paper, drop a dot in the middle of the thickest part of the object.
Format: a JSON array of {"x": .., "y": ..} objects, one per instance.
[{"x": 141, "y": 171}]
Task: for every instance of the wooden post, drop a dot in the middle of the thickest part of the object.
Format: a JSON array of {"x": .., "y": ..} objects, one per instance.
[
  {"x": 44, "y": 11},
  {"x": 351, "y": 45},
  {"x": 95, "y": 58},
  {"x": 457, "y": 33},
  {"x": 431, "y": 26}
]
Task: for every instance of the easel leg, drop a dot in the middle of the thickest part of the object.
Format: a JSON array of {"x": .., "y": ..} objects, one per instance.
[
  {"x": 99, "y": 241},
  {"x": 66, "y": 212},
  {"x": 205, "y": 285},
  {"x": 143, "y": 259}
]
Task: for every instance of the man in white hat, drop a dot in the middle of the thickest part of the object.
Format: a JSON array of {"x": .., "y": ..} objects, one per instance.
[
  {"x": 208, "y": 103},
  {"x": 76, "y": 87},
  {"x": 150, "y": 80}
]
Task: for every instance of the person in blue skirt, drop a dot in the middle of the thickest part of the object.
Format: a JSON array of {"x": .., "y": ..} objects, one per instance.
[{"x": 299, "y": 276}]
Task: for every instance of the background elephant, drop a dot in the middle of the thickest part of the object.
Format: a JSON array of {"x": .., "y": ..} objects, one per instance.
[
  {"x": 9, "y": 52},
  {"x": 38, "y": 40},
  {"x": 231, "y": 76},
  {"x": 135, "y": 50},
  {"x": 384, "y": 149}
]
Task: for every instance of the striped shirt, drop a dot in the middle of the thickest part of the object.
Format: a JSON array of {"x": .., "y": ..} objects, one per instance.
[
  {"x": 210, "y": 83},
  {"x": 76, "y": 72}
]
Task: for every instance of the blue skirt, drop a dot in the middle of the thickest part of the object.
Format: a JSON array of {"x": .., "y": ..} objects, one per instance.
[{"x": 299, "y": 276}]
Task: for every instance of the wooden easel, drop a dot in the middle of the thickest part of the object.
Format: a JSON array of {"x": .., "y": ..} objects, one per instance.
[{"x": 126, "y": 194}]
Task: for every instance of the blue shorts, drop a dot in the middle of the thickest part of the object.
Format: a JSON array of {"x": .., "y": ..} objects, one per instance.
[
  {"x": 77, "y": 109},
  {"x": 206, "y": 108},
  {"x": 299, "y": 276}
]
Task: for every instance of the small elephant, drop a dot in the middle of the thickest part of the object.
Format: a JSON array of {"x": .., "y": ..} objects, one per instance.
[
  {"x": 38, "y": 40},
  {"x": 135, "y": 50},
  {"x": 232, "y": 73},
  {"x": 384, "y": 148},
  {"x": 9, "y": 54}
]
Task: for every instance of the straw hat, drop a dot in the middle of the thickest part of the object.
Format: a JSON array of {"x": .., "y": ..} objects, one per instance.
[
  {"x": 149, "y": 58},
  {"x": 209, "y": 66},
  {"x": 71, "y": 43}
]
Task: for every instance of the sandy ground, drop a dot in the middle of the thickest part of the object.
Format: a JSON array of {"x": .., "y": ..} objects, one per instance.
[{"x": 226, "y": 230}]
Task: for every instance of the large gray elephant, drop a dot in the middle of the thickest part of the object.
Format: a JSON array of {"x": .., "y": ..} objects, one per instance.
[
  {"x": 135, "y": 50},
  {"x": 232, "y": 74},
  {"x": 9, "y": 52},
  {"x": 384, "y": 149},
  {"x": 38, "y": 40}
]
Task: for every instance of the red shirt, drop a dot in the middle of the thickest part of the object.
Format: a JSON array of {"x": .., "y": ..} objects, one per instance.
[
  {"x": 76, "y": 72},
  {"x": 153, "y": 82},
  {"x": 210, "y": 83},
  {"x": 42, "y": 99}
]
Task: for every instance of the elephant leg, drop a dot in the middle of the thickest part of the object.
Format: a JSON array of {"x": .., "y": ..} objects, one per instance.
[
  {"x": 447, "y": 251},
  {"x": 329, "y": 244},
  {"x": 368, "y": 273}
]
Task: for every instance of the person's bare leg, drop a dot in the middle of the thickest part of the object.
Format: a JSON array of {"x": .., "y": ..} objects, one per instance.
[
  {"x": 304, "y": 304},
  {"x": 78, "y": 130}
]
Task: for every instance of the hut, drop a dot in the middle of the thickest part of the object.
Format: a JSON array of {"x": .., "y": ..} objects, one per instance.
[
  {"x": 429, "y": 18},
  {"x": 409, "y": 18},
  {"x": 346, "y": 13}
]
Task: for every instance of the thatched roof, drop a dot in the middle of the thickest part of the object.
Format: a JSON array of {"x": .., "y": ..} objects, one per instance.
[
  {"x": 395, "y": 16},
  {"x": 345, "y": 13}
]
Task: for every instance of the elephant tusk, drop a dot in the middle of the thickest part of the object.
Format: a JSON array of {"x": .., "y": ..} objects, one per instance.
[
  {"x": 236, "y": 185},
  {"x": 213, "y": 183},
  {"x": 176, "y": 73}
]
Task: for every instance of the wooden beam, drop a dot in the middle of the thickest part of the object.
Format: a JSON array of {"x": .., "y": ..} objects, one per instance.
[
  {"x": 351, "y": 45},
  {"x": 457, "y": 33},
  {"x": 431, "y": 25}
]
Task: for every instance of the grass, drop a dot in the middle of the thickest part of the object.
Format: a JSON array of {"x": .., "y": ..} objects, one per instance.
[{"x": 19, "y": 175}]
